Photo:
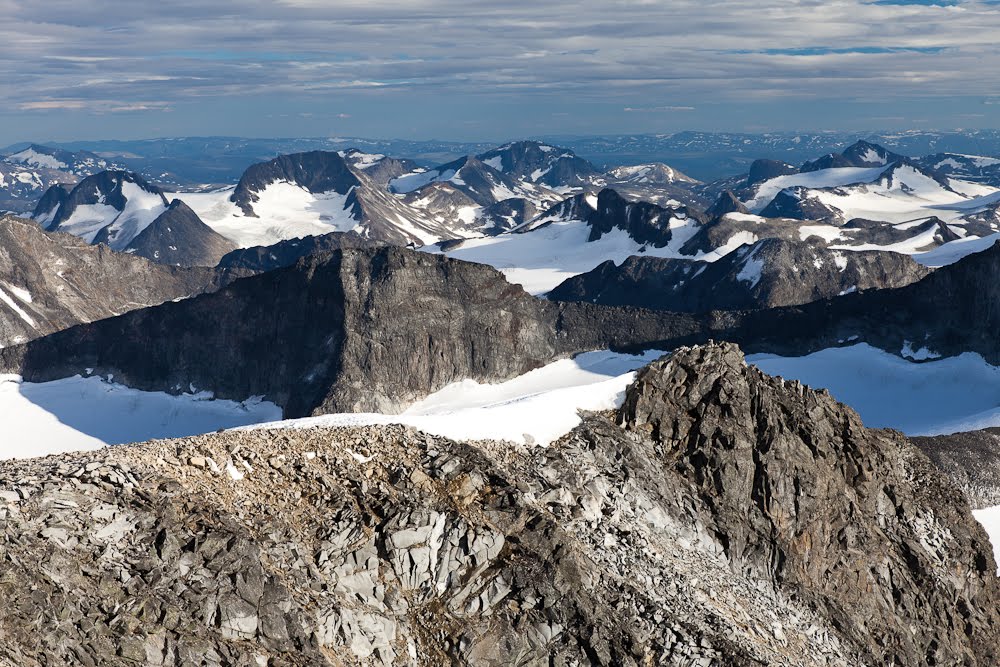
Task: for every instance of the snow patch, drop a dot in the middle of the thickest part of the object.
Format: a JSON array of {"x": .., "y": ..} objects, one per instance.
[
  {"x": 80, "y": 413},
  {"x": 535, "y": 408},
  {"x": 926, "y": 398}
]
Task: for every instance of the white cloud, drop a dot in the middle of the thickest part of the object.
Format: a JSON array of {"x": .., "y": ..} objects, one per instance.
[{"x": 667, "y": 56}]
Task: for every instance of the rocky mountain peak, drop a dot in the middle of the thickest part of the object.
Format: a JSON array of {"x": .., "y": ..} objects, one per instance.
[
  {"x": 792, "y": 482},
  {"x": 726, "y": 203},
  {"x": 536, "y": 162},
  {"x": 179, "y": 237},
  {"x": 765, "y": 170},
  {"x": 859, "y": 154},
  {"x": 314, "y": 171},
  {"x": 721, "y": 516},
  {"x": 644, "y": 221}
]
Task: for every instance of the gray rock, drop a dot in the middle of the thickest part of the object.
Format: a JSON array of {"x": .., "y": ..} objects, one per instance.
[{"x": 720, "y": 517}]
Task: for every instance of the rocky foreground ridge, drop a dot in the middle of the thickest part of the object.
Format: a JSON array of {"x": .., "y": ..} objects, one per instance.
[{"x": 720, "y": 517}]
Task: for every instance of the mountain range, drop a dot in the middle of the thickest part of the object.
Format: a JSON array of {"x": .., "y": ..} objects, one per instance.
[{"x": 514, "y": 407}]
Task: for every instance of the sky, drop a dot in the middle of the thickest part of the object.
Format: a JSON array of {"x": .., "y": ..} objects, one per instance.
[{"x": 492, "y": 70}]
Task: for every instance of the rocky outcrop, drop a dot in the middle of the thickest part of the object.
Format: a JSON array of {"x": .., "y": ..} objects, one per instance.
[
  {"x": 971, "y": 459},
  {"x": 720, "y": 517},
  {"x": 765, "y": 170},
  {"x": 726, "y": 203},
  {"x": 769, "y": 273},
  {"x": 858, "y": 154},
  {"x": 285, "y": 253},
  {"x": 506, "y": 215},
  {"x": 53, "y": 281},
  {"x": 351, "y": 330},
  {"x": 577, "y": 207},
  {"x": 380, "y": 168},
  {"x": 801, "y": 203},
  {"x": 643, "y": 221},
  {"x": 179, "y": 237}
]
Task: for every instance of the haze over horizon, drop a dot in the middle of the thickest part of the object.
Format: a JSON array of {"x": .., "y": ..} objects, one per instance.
[{"x": 478, "y": 71}]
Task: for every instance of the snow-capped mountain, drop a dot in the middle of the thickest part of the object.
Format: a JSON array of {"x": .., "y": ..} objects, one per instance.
[
  {"x": 123, "y": 211},
  {"x": 858, "y": 154},
  {"x": 319, "y": 192},
  {"x": 110, "y": 207},
  {"x": 488, "y": 195},
  {"x": 77, "y": 163},
  {"x": 655, "y": 173},
  {"x": 771, "y": 272},
  {"x": 974, "y": 168},
  {"x": 27, "y": 174},
  {"x": 536, "y": 162}
]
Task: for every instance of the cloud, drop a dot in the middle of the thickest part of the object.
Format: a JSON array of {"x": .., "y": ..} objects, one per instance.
[
  {"x": 651, "y": 58},
  {"x": 95, "y": 106},
  {"x": 655, "y": 109}
]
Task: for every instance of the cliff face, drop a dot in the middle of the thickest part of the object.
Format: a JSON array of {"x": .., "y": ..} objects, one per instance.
[
  {"x": 54, "y": 281},
  {"x": 720, "y": 517},
  {"x": 767, "y": 274},
  {"x": 351, "y": 330}
]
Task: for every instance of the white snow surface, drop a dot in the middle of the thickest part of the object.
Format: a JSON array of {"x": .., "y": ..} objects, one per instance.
[
  {"x": 989, "y": 517},
  {"x": 141, "y": 209},
  {"x": 80, "y": 413},
  {"x": 542, "y": 258},
  {"x": 823, "y": 178},
  {"x": 284, "y": 211},
  {"x": 928, "y": 398},
  {"x": 535, "y": 408},
  {"x": 751, "y": 270},
  {"x": 31, "y": 157}
]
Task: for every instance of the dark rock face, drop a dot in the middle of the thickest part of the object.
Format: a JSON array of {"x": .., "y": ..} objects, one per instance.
[
  {"x": 47, "y": 207},
  {"x": 70, "y": 282},
  {"x": 830, "y": 544},
  {"x": 765, "y": 170},
  {"x": 540, "y": 163},
  {"x": 380, "y": 168},
  {"x": 953, "y": 310},
  {"x": 316, "y": 171},
  {"x": 286, "y": 253},
  {"x": 179, "y": 237},
  {"x": 506, "y": 215},
  {"x": 577, "y": 207},
  {"x": 798, "y": 204},
  {"x": 795, "y": 482},
  {"x": 645, "y": 222},
  {"x": 353, "y": 330},
  {"x": 726, "y": 203},
  {"x": 859, "y": 154},
  {"x": 772, "y": 272},
  {"x": 971, "y": 460},
  {"x": 103, "y": 187}
]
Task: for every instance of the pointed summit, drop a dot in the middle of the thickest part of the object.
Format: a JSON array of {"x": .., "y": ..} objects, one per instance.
[{"x": 726, "y": 203}]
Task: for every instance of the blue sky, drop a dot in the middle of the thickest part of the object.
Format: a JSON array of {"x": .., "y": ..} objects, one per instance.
[{"x": 472, "y": 69}]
